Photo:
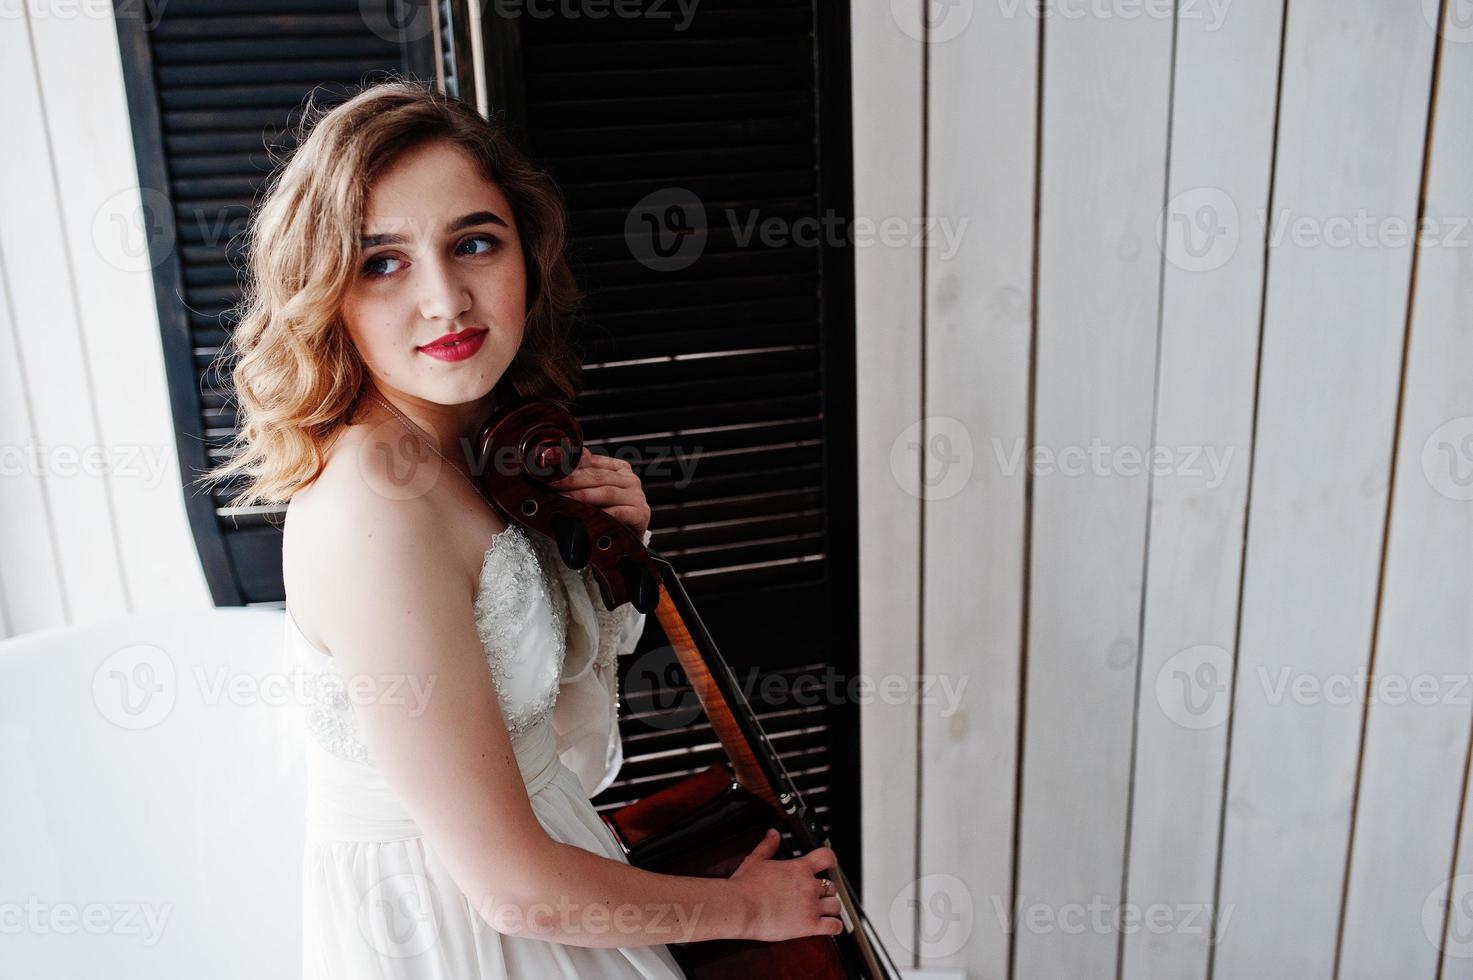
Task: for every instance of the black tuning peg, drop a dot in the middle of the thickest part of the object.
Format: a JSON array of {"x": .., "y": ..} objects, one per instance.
[
  {"x": 641, "y": 586},
  {"x": 572, "y": 541}
]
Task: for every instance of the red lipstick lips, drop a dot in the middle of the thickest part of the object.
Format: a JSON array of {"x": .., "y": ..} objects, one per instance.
[{"x": 455, "y": 346}]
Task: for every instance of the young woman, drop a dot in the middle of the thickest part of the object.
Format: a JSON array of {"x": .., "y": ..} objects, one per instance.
[{"x": 407, "y": 277}]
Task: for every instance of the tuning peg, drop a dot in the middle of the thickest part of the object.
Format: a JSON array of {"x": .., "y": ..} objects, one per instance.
[
  {"x": 572, "y": 541},
  {"x": 642, "y": 588},
  {"x": 554, "y": 458}
]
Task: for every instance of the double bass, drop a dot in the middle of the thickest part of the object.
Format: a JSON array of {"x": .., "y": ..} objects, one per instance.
[{"x": 707, "y": 822}]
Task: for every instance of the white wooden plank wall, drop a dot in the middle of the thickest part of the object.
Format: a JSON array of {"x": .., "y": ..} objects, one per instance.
[
  {"x": 978, "y": 295},
  {"x": 1353, "y": 112},
  {"x": 1096, "y": 344},
  {"x": 1412, "y": 779},
  {"x": 1219, "y": 693},
  {"x": 888, "y": 135},
  {"x": 92, "y": 522},
  {"x": 1224, "y": 92}
]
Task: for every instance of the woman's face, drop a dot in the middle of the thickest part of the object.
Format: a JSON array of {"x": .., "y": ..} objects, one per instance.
[{"x": 440, "y": 256}]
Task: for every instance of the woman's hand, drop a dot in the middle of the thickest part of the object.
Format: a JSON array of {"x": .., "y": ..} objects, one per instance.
[
  {"x": 786, "y": 898},
  {"x": 609, "y": 483}
]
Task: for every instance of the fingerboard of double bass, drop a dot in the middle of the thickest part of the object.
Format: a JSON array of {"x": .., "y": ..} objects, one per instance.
[
  {"x": 755, "y": 763},
  {"x": 753, "y": 759}
]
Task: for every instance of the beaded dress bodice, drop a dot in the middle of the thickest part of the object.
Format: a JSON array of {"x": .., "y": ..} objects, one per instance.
[{"x": 521, "y": 614}]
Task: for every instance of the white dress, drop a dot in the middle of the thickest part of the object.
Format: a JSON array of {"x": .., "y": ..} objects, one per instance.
[{"x": 377, "y": 902}]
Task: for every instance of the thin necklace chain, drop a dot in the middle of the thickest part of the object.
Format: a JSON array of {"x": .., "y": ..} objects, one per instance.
[{"x": 404, "y": 423}]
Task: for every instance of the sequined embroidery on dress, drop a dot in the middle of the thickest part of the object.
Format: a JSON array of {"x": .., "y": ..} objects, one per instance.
[
  {"x": 329, "y": 719},
  {"x": 518, "y": 581},
  {"x": 512, "y": 579}
]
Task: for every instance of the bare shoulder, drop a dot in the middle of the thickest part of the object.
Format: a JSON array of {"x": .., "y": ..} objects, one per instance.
[{"x": 364, "y": 529}]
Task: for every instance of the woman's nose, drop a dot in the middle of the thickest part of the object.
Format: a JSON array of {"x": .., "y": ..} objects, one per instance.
[{"x": 442, "y": 296}]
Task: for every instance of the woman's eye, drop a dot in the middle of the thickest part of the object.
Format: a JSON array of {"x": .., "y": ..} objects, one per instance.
[
  {"x": 491, "y": 242},
  {"x": 372, "y": 269}
]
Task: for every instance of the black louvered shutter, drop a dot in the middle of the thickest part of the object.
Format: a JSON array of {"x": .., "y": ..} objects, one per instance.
[
  {"x": 211, "y": 85},
  {"x": 744, "y": 358}
]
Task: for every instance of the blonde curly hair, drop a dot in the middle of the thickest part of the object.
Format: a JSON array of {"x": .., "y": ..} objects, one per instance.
[{"x": 295, "y": 370}]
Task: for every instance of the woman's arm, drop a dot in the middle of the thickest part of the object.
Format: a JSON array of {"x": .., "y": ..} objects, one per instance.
[{"x": 400, "y": 618}]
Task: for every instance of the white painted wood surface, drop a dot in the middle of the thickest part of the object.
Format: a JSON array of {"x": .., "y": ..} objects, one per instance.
[
  {"x": 1153, "y": 566},
  {"x": 1417, "y": 733},
  {"x": 1098, "y": 292},
  {"x": 1221, "y": 154},
  {"x": 977, "y": 337},
  {"x": 888, "y": 118},
  {"x": 92, "y": 521},
  {"x": 49, "y": 345},
  {"x": 30, "y": 580},
  {"x": 1352, "y": 120},
  {"x": 113, "y": 289}
]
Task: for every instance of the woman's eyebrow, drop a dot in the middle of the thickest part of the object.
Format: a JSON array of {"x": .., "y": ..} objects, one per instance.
[{"x": 464, "y": 221}]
